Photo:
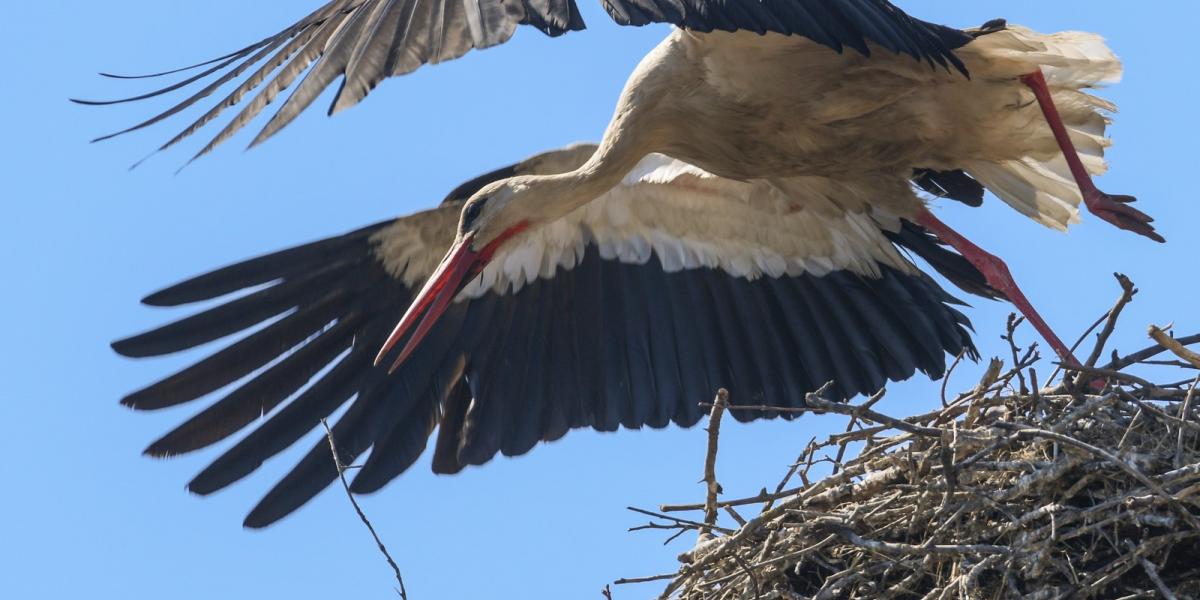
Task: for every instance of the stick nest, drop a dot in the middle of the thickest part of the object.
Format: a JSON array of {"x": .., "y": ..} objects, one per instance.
[{"x": 1090, "y": 488}]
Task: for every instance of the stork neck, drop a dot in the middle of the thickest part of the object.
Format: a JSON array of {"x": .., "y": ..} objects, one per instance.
[
  {"x": 623, "y": 147},
  {"x": 563, "y": 193},
  {"x": 632, "y": 133}
]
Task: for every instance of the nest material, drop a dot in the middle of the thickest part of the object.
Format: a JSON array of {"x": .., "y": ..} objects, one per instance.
[{"x": 1002, "y": 493}]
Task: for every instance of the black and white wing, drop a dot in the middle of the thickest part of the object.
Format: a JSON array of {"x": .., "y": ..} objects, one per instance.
[
  {"x": 625, "y": 314},
  {"x": 360, "y": 42}
]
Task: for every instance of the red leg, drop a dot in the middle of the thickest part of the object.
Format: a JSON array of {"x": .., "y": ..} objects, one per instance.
[
  {"x": 1114, "y": 209},
  {"x": 997, "y": 275}
]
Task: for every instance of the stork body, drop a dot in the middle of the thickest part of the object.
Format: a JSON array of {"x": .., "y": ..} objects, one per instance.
[
  {"x": 747, "y": 106},
  {"x": 718, "y": 101},
  {"x": 736, "y": 227},
  {"x": 746, "y": 89}
]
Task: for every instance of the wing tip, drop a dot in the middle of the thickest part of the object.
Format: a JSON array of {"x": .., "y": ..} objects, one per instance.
[
  {"x": 133, "y": 401},
  {"x": 267, "y": 512},
  {"x": 124, "y": 347},
  {"x": 200, "y": 486},
  {"x": 164, "y": 298},
  {"x": 256, "y": 522},
  {"x": 160, "y": 448}
]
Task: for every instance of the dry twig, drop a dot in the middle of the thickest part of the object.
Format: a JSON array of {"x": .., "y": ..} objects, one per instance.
[
  {"x": 711, "y": 486},
  {"x": 341, "y": 470},
  {"x": 1176, "y": 348}
]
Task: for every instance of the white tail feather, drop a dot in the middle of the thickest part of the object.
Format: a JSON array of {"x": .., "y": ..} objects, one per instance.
[
  {"x": 1041, "y": 186},
  {"x": 1071, "y": 59}
]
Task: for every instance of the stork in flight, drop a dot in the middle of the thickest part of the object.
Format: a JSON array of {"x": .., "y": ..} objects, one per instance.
[
  {"x": 625, "y": 313},
  {"x": 820, "y": 112},
  {"x": 744, "y": 89}
]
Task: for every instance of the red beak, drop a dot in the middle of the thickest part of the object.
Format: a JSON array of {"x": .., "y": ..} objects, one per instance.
[
  {"x": 445, "y": 283},
  {"x": 460, "y": 264}
]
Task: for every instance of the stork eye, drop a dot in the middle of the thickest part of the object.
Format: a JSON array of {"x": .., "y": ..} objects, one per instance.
[{"x": 471, "y": 212}]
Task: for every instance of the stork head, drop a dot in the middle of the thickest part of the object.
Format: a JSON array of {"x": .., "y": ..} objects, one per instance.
[{"x": 490, "y": 219}]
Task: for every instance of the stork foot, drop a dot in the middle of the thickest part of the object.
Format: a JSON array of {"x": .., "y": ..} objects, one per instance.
[{"x": 1116, "y": 210}]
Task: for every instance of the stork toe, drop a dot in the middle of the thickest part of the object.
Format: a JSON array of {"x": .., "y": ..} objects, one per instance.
[{"x": 1116, "y": 210}]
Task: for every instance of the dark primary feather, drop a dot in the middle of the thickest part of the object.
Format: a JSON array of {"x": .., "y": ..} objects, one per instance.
[
  {"x": 955, "y": 185},
  {"x": 269, "y": 267},
  {"x": 837, "y": 24}
]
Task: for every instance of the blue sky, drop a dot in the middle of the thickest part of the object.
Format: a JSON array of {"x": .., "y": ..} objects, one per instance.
[{"x": 84, "y": 515}]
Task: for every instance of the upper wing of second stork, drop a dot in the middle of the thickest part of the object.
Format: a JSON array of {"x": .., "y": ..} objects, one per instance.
[{"x": 363, "y": 42}]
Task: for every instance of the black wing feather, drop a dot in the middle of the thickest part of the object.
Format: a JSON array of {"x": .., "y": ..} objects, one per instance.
[
  {"x": 563, "y": 406},
  {"x": 267, "y": 268},
  {"x": 664, "y": 354},
  {"x": 260, "y": 395},
  {"x": 236, "y": 315},
  {"x": 833, "y": 23},
  {"x": 522, "y": 382},
  {"x": 853, "y": 328},
  {"x": 240, "y": 358},
  {"x": 695, "y": 348},
  {"x": 454, "y": 412},
  {"x": 955, "y": 185}
]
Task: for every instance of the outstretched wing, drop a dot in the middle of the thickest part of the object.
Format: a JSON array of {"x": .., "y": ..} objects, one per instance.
[
  {"x": 626, "y": 313},
  {"x": 364, "y": 41},
  {"x": 360, "y": 41}
]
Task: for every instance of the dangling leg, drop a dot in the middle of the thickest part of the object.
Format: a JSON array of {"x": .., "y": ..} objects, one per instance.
[
  {"x": 997, "y": 275},
  {"x": 1114, "y": 209}
]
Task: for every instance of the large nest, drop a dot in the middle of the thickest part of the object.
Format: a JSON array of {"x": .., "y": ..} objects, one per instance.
[{"x": 1089, "y": 488}]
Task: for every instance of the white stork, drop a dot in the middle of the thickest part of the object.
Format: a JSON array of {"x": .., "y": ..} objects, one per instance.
[
  {"x": 745, "y": 89},
  {"x": 627, "y": 312},
  {"x": 736, "y": 206}
]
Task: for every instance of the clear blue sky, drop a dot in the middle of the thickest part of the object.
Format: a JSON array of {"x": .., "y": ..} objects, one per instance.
[{"x": 84, "y": 515}]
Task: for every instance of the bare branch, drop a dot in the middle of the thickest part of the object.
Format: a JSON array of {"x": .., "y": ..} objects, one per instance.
[
  {"x": 1176, "y": 348},
  {"x": 713, "y": 488},
  {"x": 1110, "y": 323},
  {"x": 341, "y": 469}
]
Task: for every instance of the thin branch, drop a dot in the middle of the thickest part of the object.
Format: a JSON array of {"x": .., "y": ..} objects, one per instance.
[
  {"x": 1152, "y": 573},
  {"x": 899, "y": 548},
  {"x": 631, "y": 580},
  {"x": 1174, "y": 346},
  {"x": 1010, "y": 336},
  {"x": 875, "y": 398},
  {"x": 1149, "y": 352},
  {"x": 1128, "y": 291},
  {"x": 759, "y": 498},
  {"x": 710, "y": 462},
  {"x": 1183, "y": 415},
  {"x": 341, "y": 469},
  {"x": 949, "y": 372},
  {"x": 690, "y": 523}
]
